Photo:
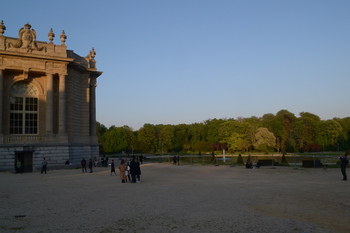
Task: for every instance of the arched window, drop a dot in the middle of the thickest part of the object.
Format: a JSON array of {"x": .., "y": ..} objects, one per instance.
[{"x": 24, "y": 109}]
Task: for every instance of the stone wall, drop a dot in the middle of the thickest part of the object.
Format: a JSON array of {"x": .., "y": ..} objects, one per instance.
[{"x": 55, "y": 155}]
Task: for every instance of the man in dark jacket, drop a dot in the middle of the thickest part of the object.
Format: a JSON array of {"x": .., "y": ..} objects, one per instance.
[
  {"x": 133, "y": 170},
  {"x": 343, "y": 163}
]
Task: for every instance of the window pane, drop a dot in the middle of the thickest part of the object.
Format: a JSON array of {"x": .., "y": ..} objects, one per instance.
[
  {"x": 16, "y": 103},
  {"x": 31, "y": 123},
  {"x": 31, "y": 104},
  {"x": 23, "y": 115},
  {"x": 16, "y": 123}
]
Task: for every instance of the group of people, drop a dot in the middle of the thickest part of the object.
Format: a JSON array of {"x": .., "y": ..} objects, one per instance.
[
  {"x": 129, "y": 169},
  {"x": 249, "y": 165},
  {"x": 83, "y": 165},
  {"x": 104, "y": 161}
]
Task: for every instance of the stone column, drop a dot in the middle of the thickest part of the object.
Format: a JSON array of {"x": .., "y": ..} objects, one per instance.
[
  {"x": 49, "y": 104},
  {"x": 1, "y": 100},
  {"x": 62, "y": 120},
  {"x": 93, "y": 106}
]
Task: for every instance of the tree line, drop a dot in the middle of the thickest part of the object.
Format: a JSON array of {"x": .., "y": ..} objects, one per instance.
[{"x": 282, "y": 132}]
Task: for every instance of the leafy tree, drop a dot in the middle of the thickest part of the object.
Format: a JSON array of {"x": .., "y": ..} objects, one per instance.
[
  {"x": 195, "y": 133},
  {"x": 304, "y": 130},
  {"x": 181, "y": 139},
  {"x": 202, "y": 146},
  {"x": 333, "y": 130},
  {"x": 265, "y": 140},
  {"x": 268, "y": 121},
  {"x": 100, "y": 129},
  {"x": 235, "y": 142},
  {"x": 213, "y": 130},
  {"x": 117, "y": 139},
  {"x": 147, "y": 138},
  {"x": 283, "y": 126},
  {"x": 344, "y": 137},
  {"x": 166, "y": 137},
  {"x": 251, "y": 126},
  {"x": 306, "y": 133}
]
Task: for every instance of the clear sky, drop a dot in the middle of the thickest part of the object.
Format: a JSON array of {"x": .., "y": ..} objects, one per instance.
[{"x": 186, "y": 61}]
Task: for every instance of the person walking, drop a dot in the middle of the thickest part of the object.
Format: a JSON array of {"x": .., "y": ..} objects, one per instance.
[
  {"x": 43, "y": 166},
  {"x": 133, "y": 170},
  {"x": 83, "y": 165},
  {"x": 90, "y": 165},
  {"x": 343, "y": 163},
  {"x": 113, "y": 167},
  {"x": 138, "y": 171},
  {"x": 122, "y": 169}
]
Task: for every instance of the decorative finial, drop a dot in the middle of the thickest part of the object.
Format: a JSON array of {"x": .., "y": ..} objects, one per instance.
[
  {"x": 92, "y": 53},
  {"x": 27, "y": 26},
  {"x": 51, "y": 35},
  {"x": 2, "y": 28},
  {"x": 63, "y": 37}
]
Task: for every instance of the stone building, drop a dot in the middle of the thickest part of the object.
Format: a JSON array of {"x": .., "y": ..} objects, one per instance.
[{"x": 47, "y": 102}]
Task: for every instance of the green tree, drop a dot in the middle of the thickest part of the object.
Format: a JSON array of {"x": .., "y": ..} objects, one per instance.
[
  {"x": 304, "y": 129},
  {"x": 166, "y": 137},
  {"x": 235, "y": 142},
  {"x": 283, "y": 128},
  {"x": 333, "y": 130},
  {"x": 213, "y": 127},
  {"x": 202, "y": 146},
  {"x": 181, "y": 139},
  {"x": 195, "y": 133},
  {"x": 344, "y": 137},
  {"x": 265, "y": 140},
  {"x": 251, "y": 126},
  {"x": 117, "y": 139},
  {"x": 147, "y": 138}
]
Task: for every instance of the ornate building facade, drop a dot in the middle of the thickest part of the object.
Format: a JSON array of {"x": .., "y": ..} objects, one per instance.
[{"x": 47, "y": 102}]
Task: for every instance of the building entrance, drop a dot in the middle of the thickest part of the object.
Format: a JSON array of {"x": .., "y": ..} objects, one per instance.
[{"x": 26, "y": 157}]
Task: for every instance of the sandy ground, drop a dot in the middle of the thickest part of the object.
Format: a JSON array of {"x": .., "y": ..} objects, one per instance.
[{"x": 189, "y": 198}]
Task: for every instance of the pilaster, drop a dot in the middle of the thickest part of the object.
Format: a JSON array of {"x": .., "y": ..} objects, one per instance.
[
  {"x": 62, "y": 116},
  {"x": 49, "y": 104},
  {"x": 93, "y": 107},
  {"x": 1, "y": 104}
]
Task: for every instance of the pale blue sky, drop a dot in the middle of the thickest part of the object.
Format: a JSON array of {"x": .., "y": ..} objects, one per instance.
[{"x": 186, "y": 61}]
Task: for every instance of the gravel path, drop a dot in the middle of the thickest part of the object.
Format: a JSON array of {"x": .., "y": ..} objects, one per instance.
[{"x": 191, "y": 198}]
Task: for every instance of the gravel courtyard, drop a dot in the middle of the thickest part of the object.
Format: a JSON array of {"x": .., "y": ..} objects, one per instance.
[{"x": 189, "y": 198}]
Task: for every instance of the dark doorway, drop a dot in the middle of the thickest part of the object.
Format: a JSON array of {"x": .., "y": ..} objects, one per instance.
[{"x": 26, "y": 157}]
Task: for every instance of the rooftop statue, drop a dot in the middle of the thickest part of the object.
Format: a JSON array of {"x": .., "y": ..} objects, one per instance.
[{"x": 26, "y": 39}]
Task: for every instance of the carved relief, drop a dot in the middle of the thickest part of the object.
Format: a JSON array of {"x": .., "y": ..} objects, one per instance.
[
  {"x": 26, "y": 40},
  {"x": 29, "y": 64}
]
